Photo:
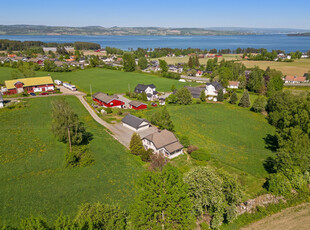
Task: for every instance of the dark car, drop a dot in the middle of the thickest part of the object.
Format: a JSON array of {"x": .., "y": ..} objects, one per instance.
[
  {"x": 154, "y": 104},
  {"x": 43, "y": 94},
  {"x": 32, "y": 94}
]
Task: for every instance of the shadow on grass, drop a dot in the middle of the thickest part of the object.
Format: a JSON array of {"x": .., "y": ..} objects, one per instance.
[
  {"x": 269, "y": 165},
  {"x": 271, "y": 142}
]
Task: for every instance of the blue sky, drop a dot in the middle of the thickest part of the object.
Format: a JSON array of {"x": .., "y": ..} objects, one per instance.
[{"x": 159, "y": 13}]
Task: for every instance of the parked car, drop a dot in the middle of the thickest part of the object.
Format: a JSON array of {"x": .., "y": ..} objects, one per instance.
[
  {"x": 58, "y": 82},
  {"x": 154, "y": 104},
  {"x": 43, "y": 93},
  {"x": 32, "y": 94}
]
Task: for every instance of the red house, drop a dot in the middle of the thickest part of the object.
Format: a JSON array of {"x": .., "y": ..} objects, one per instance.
[
  {"x": 30, "y": 85},
  {"x": 107, "y": 100},
  {"x": 137, "y": 105}
]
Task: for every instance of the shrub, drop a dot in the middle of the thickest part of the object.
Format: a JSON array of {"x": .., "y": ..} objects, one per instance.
[
  {"x": 220, "y": 95},
  {"x": 80, "y": 156},
  {"x": 201, "y": 155},
  {"x": 108, "y": 110},
  {"x": 245, "y": 99},
  {"x": 259, "y": 104},
  {"x": 119, "y": 112},
  {"x": 191, "y": 149},
  {"x": 233, "y": 98},
  {"x": 278, "y": 184}
]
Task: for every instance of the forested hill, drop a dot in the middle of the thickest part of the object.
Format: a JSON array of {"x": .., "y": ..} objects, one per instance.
[{"x": 98, "y": 30}]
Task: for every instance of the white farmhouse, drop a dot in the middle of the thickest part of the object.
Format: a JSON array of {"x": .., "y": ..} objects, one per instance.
[
  {"x": 150, "y": 91},
  {"x": 164, "y": 142},
  {"x": 212, "y": 90},
  {"x": 233, "y": 84}
]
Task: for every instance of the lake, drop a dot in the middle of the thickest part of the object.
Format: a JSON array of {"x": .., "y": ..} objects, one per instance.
[{"x": 270, "y": 42}]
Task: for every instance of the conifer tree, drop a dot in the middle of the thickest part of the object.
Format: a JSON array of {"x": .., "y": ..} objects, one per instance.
[
  {"x": 203, "y": 96},
  {"x": 245, "y": 99},
  {"x": 166, "y": 120},
  {"x": 136, "y": 146},
  {"x": 190, "y": 62},
  {"x": 220, "y": 95},
  {"x": 233, "y": 98},
  {"x": 197, "y": 64}
]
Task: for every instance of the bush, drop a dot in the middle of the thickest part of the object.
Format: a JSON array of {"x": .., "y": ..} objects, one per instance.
[
  {"x": 233, "y": 98},
  {"x": 278, "y": 184},
  {"x": 201, "y": 155},
  {"x": 259, "y": 104},
  {"x": 108, "y": 110},
  {"x": 80, "y": 156},
  {"x": 191, "y": 149}
]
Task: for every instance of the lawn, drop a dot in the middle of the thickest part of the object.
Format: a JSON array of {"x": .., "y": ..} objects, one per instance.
[
  {"x": 234, "y": 136},
  {"x": 33, "y": 178},
  {"x": 104, "y": 80},
  {"x": 296, "y": 68}
]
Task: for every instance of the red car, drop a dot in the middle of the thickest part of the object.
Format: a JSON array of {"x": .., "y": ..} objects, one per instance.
[
  {"x": 43, "y": 94},
  {"x": 154, "y": 104}
]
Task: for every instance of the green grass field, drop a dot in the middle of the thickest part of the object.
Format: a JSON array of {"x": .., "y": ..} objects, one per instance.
[
  {"x": 33, "y": 179},
  {"x": 233, "y": 135},
  {"x": 104, "y": 80}
]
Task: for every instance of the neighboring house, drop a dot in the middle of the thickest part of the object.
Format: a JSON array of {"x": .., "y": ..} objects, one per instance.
[
  {"x": 233, "y": 84},
  {"x": 150, "y": 91},
  {"x": 212, "y": 90},
  {"x": 137, "y": 105},
  {"x": 199, "y": 73},
  {"x": 135, "y": 123},
  {"x": 108, "y": 101},
  {"x": 30, "y": 85},
  {"x": 1, "y": 101},
  {"x": 164, "y": 142},
  {"x": 195, "y": 91},
  {"x": 162, "y": 101},
  {"x": 295, "y": 79},
  {"x": 4, "y": 59}
]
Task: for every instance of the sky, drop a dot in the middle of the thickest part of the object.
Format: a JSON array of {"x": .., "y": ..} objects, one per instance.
[{"x": 158, "y": 13}]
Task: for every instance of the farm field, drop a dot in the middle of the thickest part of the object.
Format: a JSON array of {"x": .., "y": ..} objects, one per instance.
[
  {"x": 296, "y": 68},
  {"x": 108, "y": 81},
  {"x": 234, "y": 137},
  {"x": 174, "y": 60},
  {"x": 33, "y": 178},
  {"x": 290, "y": 218}
]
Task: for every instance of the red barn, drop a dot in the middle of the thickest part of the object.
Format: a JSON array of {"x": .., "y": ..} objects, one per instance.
[
  {"x": 137, "y": 105},
  {"x": 30, "y": 85},
  {"x": 107, "y": 100}
]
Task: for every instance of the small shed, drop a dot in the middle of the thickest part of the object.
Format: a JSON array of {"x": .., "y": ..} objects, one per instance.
[{"x": 135, "y": 123}]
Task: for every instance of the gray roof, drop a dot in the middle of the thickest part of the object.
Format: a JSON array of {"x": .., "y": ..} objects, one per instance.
[
  {"x": 136, "y": 103},
  {"x": 133, "y": 121},
  {"x": 165, "y": 139},
  {"x": 142, "y": 87},
  {"x": 104, "y": 97},
  {"x": 216, "y": 85},
  {"x": 195, "y": 91}
]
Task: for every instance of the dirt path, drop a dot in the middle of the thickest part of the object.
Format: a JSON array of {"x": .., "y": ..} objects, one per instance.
[{"x": 291, "y": 218}]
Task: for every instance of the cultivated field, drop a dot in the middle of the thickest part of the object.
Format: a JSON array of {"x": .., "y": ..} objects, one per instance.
[
  {"x": 33, "y": 178},
  {"x": 234, "y": 136},
  {"x": 108, "y": 81},
  {"x": 296, "y": 68},
  {"x": 174, "y": 60},
  {"x": 291, "y": 218}
]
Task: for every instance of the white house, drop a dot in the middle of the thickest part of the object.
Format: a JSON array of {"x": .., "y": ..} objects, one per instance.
[
  {"x": 135, "y": 123},
  {"x": 212, "y": 90},
  {"x": 233, "y": 84},
  {"x": 164, "y": 142},
  {"x": 150, "y": 91}
]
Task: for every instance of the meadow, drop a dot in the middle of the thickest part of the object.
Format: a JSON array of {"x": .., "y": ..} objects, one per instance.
[
  {"x": 33, "y": 177},
  {"x": 234, "y": 136},
  {"x": 104, "y": 80},
  {"x": 184, "y": 59},
  {"x": 296, "y": 68}
]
